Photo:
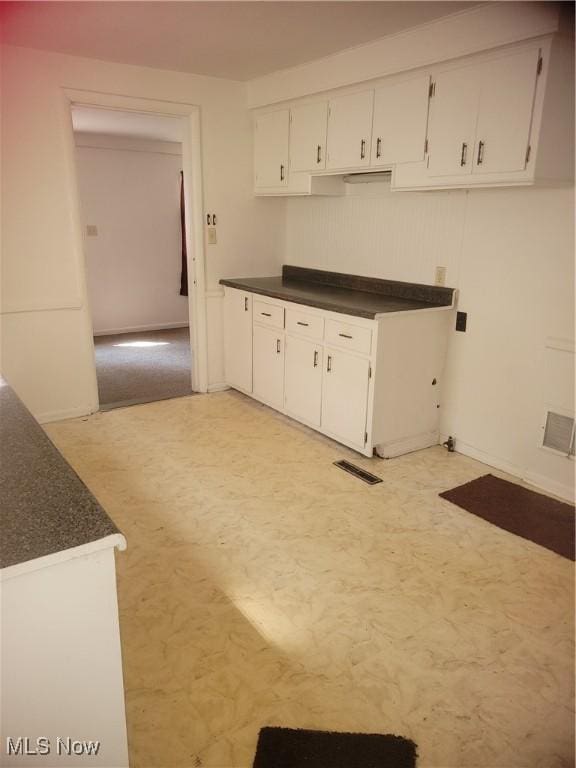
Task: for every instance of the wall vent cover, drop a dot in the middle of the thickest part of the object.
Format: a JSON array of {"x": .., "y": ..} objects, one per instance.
[{"x": 559, "y": 433}]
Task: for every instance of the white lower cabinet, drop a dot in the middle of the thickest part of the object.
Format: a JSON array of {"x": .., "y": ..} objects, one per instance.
[
  {"x": 303, "y": 379},
  {"x": 345, "y": 396},
  {"x": 268, "y": 362},
  {"x": 238, "y": 339},
  {"x": 371, "y": 384}
]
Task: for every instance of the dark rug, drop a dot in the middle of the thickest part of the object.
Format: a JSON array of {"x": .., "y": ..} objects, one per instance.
[
  {"x": 545, "y": 521},
  {"x": 290, "y": 748},
  {"x": 142, "y": 367}
]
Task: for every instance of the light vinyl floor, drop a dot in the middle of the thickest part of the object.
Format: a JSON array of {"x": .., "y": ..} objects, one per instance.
[{"x": 264, "y": 586}]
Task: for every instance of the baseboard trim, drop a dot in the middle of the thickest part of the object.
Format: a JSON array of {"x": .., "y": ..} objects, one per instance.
[
  {"x": 140, "y": 328},
  {"x": 220, "y": 386},
  {"x": 544, "y": 483},
  {"x": 71, "y": 413},
  {"x": 406, "y": 445},
  {"x": 541, "y": 482}
]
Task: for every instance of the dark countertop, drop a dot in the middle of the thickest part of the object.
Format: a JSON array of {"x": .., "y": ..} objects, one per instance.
[
  {"x": 348, "y": 294},
  {"x": 46, "y": 508}
]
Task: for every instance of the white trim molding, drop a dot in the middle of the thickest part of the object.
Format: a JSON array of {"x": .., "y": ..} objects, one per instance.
[{"x": 140, "y": 328}]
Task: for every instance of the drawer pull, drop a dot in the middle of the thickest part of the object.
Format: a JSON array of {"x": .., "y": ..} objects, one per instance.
[
  {"x": 345, "y": 336},
  {"x": 329, "y": 364},
  {"x": 266, "y": 314},
  {"x": 319, "y": 154},
  {"x": 464, "y": 153},
  {"x": 315, "y": 358},
  {"x": 245, "y": 303},
  {"x": 378, "y": 147},
  {"x": 278, "y": 346},
  {"x": 299, "y": 322},
  {"x": 362, "y": 149}
]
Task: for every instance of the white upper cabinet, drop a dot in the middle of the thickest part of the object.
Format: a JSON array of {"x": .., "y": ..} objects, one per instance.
[
  {"x": 453, "y": 116},
  {"x": 507, "y": 87},
  {"x": 271, "y": 131},
  {"x": 350, "y": 130},
  {"x": 400, "y": 121},
  {"x": 308, "y": 136},
  {"x": 481, "y": 116}
]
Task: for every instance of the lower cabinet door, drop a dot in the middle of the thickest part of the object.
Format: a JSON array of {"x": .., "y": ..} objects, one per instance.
[
  {"x": 345, "y": 396},
  {"x": 303, "y": 379},
  {"x": 238, "y": 339},
  {"x": 268, "y": 353}
]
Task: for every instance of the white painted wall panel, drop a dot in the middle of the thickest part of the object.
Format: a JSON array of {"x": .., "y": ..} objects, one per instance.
[
  {"x": 134, "y": 262},
  {"x": 372, "y": 231},
  {"x": 47, "y": 356},
  {"x": 510, "y": 253}
]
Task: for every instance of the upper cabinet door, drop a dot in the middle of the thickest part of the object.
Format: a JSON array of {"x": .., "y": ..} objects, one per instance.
[
  {"x": 507, "y": 93},
  {"x": 350, "y": 130},
  {"x": 400, "y": 121},
  {"x": 452, "y": 127},
  {"x": 271, "y": 149},
  {"x": 308, "y": 136}
]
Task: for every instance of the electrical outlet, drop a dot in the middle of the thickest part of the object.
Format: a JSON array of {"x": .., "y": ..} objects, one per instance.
[
  {"x": 440, "y": 276},
  {"x": 211, "y": 235},
  {"x": 91, "y": 230}
]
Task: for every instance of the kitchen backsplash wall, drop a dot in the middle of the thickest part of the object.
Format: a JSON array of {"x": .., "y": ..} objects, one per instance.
[
  {"x": 373, "y": 231},
  {"x": 510, "y": 253}
]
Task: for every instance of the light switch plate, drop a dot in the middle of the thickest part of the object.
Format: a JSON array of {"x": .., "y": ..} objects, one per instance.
[{"x": 211, "y": 235}]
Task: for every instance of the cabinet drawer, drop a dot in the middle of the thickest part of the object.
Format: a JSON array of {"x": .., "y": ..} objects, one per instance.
[
  {"x": 268, "y": 314},
  {"x": 352, "y": 337},
  {"x": 303, "y": 324}
]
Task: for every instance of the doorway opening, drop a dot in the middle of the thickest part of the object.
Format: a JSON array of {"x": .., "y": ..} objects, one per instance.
[{"x": 131, "y": 187}]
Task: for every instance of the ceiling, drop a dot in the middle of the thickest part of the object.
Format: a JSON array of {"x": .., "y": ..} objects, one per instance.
[
  {"x": 235, "y": 40},
  {"x": 133, "y": 124}
]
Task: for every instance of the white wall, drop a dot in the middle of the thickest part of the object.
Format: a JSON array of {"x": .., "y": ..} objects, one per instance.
[
  {"x": 47, "y": 356},
  {"x": 131, "y": 192},
  {"x": 510, "y": 252}
]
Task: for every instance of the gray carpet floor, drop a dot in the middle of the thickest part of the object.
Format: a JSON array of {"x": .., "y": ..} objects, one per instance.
[{"x": 141, "y": 367}]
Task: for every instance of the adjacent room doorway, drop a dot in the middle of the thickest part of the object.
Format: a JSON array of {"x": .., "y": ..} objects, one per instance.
[{"x": 133, "y": 211}]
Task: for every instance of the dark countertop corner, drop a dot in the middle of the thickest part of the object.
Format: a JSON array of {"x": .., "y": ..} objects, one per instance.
[{"x": 46, "y": 508}]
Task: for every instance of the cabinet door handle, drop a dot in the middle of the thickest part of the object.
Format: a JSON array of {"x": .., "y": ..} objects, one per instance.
[
  {"x": 378, "y": 147},
  {"x": 319, "y": 153},
  {"x": 281, "y": 173},
  {"x": 245, "y": 303},
  {"x": 315, "y": 358},
  {"x": 266, "y": 314},
  {"x": 464, "y": 153},
  {"x": 278, "y": 346},
  {"x": 299, "y": 322},
  {"x": 345, "y": 335},
  {"x": 329, "y": 364},
  {"x": 480, "y": 158},
  {"x": 362, "y": 149}
]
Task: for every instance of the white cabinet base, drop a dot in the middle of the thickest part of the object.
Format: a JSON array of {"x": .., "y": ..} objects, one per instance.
[
  {"x": 372, "y": 385},
  {"x": 62, "y": 663},
  {"x": 406, "y": 445}
]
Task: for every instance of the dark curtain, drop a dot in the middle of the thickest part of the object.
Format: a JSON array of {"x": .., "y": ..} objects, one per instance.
[{"x": 184, "y": 272}]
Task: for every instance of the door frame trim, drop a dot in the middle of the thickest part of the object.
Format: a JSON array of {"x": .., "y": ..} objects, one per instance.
[{"x": 194, "y": 205}]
